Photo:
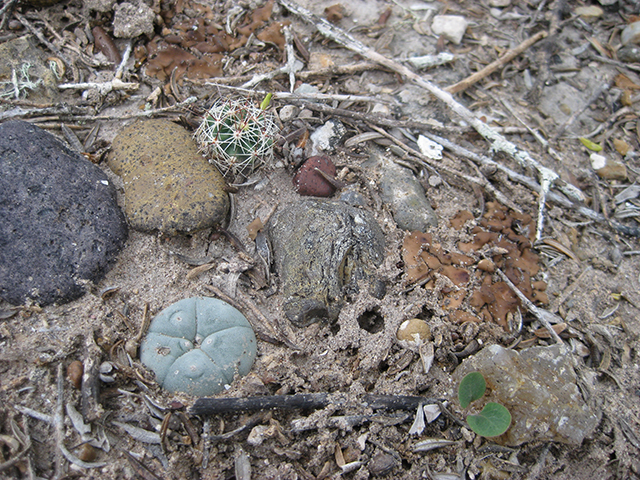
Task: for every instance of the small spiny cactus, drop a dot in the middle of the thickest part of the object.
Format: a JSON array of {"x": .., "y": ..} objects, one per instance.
[{"x": 237, "y": 136}]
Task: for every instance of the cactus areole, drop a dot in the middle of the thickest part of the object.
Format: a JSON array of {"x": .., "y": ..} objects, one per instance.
[{"x": 198, "y": 345}]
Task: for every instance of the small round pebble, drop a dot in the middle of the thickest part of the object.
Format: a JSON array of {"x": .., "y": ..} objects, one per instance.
[
  {"x": 308, "y": 182},
  {"x": 415, "y": 327},
  {"x": 60, "y": 224},
  {"x": 288, "y": 113}
]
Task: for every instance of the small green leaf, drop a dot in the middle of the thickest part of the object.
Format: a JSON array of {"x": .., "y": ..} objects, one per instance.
[
  {"x": 591, "y": 145},
  {"x": 493, "y": 420},
  {"x": 267, "y": 100},
  {"x": 472, "y": 387}
]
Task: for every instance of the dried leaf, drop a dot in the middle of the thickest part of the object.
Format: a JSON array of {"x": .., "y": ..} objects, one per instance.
[
  {"x": 197, "y": 271},
  {"x": 140, "y": 434},
  {"x": 609, "y": 311},
  {"x": 418, "y": 424},
  {"x": 542, "y": 332},
  {"x": 561, "y": 248},
  {"x": 77, "y": 421},
  {"x": 629, "y": 193},
  {"x": 624, "y": 82},
  {"x": 431, "y": 444},
  {"x": 606, "y": 360},
  {"x": 339, "y": 456},
  {"x": 361, "y": 138}
]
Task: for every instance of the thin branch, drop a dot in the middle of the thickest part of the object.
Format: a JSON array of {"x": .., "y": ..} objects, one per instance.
[
  {"x": 493, "y": 66},
  {"x": 483, "y": 182},
  {"x": 102, "y": 87},
  {"x": 304, "y": 401},
  {"x": 542, "y": 315},
  {"x": 291, "y": 57},
  {"x": 300, "y": 96},
  {"x": 57, "y": 422},
  {"x": 42, "y": 38}
]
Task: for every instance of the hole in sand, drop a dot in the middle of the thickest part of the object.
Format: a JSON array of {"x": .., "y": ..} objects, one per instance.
[{"x": 371, "y": 321}]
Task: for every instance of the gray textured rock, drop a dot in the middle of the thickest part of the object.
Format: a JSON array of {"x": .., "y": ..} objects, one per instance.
[
  {"x": 629, "y": 54},
  {"x": 406, "y": 197},
  {"x": 326, "y": 138},
  {"x": 133, "y": 19},
  {"x": 538, "y": 386},
  {"x": 321, "y": 250},
  {"x": 60, "y": 224}
]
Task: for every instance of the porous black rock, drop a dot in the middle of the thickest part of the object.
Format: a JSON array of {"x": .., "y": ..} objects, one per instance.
[{"x": 60, "y": 224}]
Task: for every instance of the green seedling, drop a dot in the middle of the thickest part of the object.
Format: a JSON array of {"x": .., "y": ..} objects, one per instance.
[
  {"x": 494, "y": 419},
  {"x": 237, "y": 136},
  {"x": 198, "y": 345}
]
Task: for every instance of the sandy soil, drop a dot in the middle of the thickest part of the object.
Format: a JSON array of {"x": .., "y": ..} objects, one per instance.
[{"x": 598, "y": 292}]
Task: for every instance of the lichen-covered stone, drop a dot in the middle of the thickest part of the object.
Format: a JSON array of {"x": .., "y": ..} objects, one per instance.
[
  {"x": 321, "y": 250},
  {"x": 538, "y": 387},
  {"x": 198, "y": 345},
  {"x": 168, "y": 185},
  {"x": 60, "y": 224}
]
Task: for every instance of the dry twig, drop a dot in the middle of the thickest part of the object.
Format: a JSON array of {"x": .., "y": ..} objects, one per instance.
[
  {"x": 304, "y": 401},
  {"x": 42, "y": 38},
  {"x": 57, "y": 422},
  {"x": 300, "y": 96},
  {"x": 542, "y": 315},
  {"x": 493, "y": 66}
]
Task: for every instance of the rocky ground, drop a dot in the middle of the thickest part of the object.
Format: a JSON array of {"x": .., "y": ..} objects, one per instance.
[{"x": 77, "y": 402}]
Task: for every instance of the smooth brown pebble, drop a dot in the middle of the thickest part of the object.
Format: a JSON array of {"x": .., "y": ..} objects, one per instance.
[
  {"x": 74, "y": 373},
  {"x": 87, "y": 453},
  {"x": 415, "y": 326}
]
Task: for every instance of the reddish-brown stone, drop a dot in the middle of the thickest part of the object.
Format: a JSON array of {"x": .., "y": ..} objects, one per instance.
[{"x": 309, "y": 182}]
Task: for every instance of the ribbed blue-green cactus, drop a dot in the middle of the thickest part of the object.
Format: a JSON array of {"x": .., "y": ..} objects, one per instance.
[
  {"x": 198, "y": 345},
  {"x": 237, "y": 136}
]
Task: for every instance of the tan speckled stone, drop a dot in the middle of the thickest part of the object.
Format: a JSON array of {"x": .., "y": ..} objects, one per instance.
[{"x": 168, "y": 185}]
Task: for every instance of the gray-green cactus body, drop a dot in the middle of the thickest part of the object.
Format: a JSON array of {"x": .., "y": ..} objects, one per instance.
[{"x": 198, "y": 345}]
